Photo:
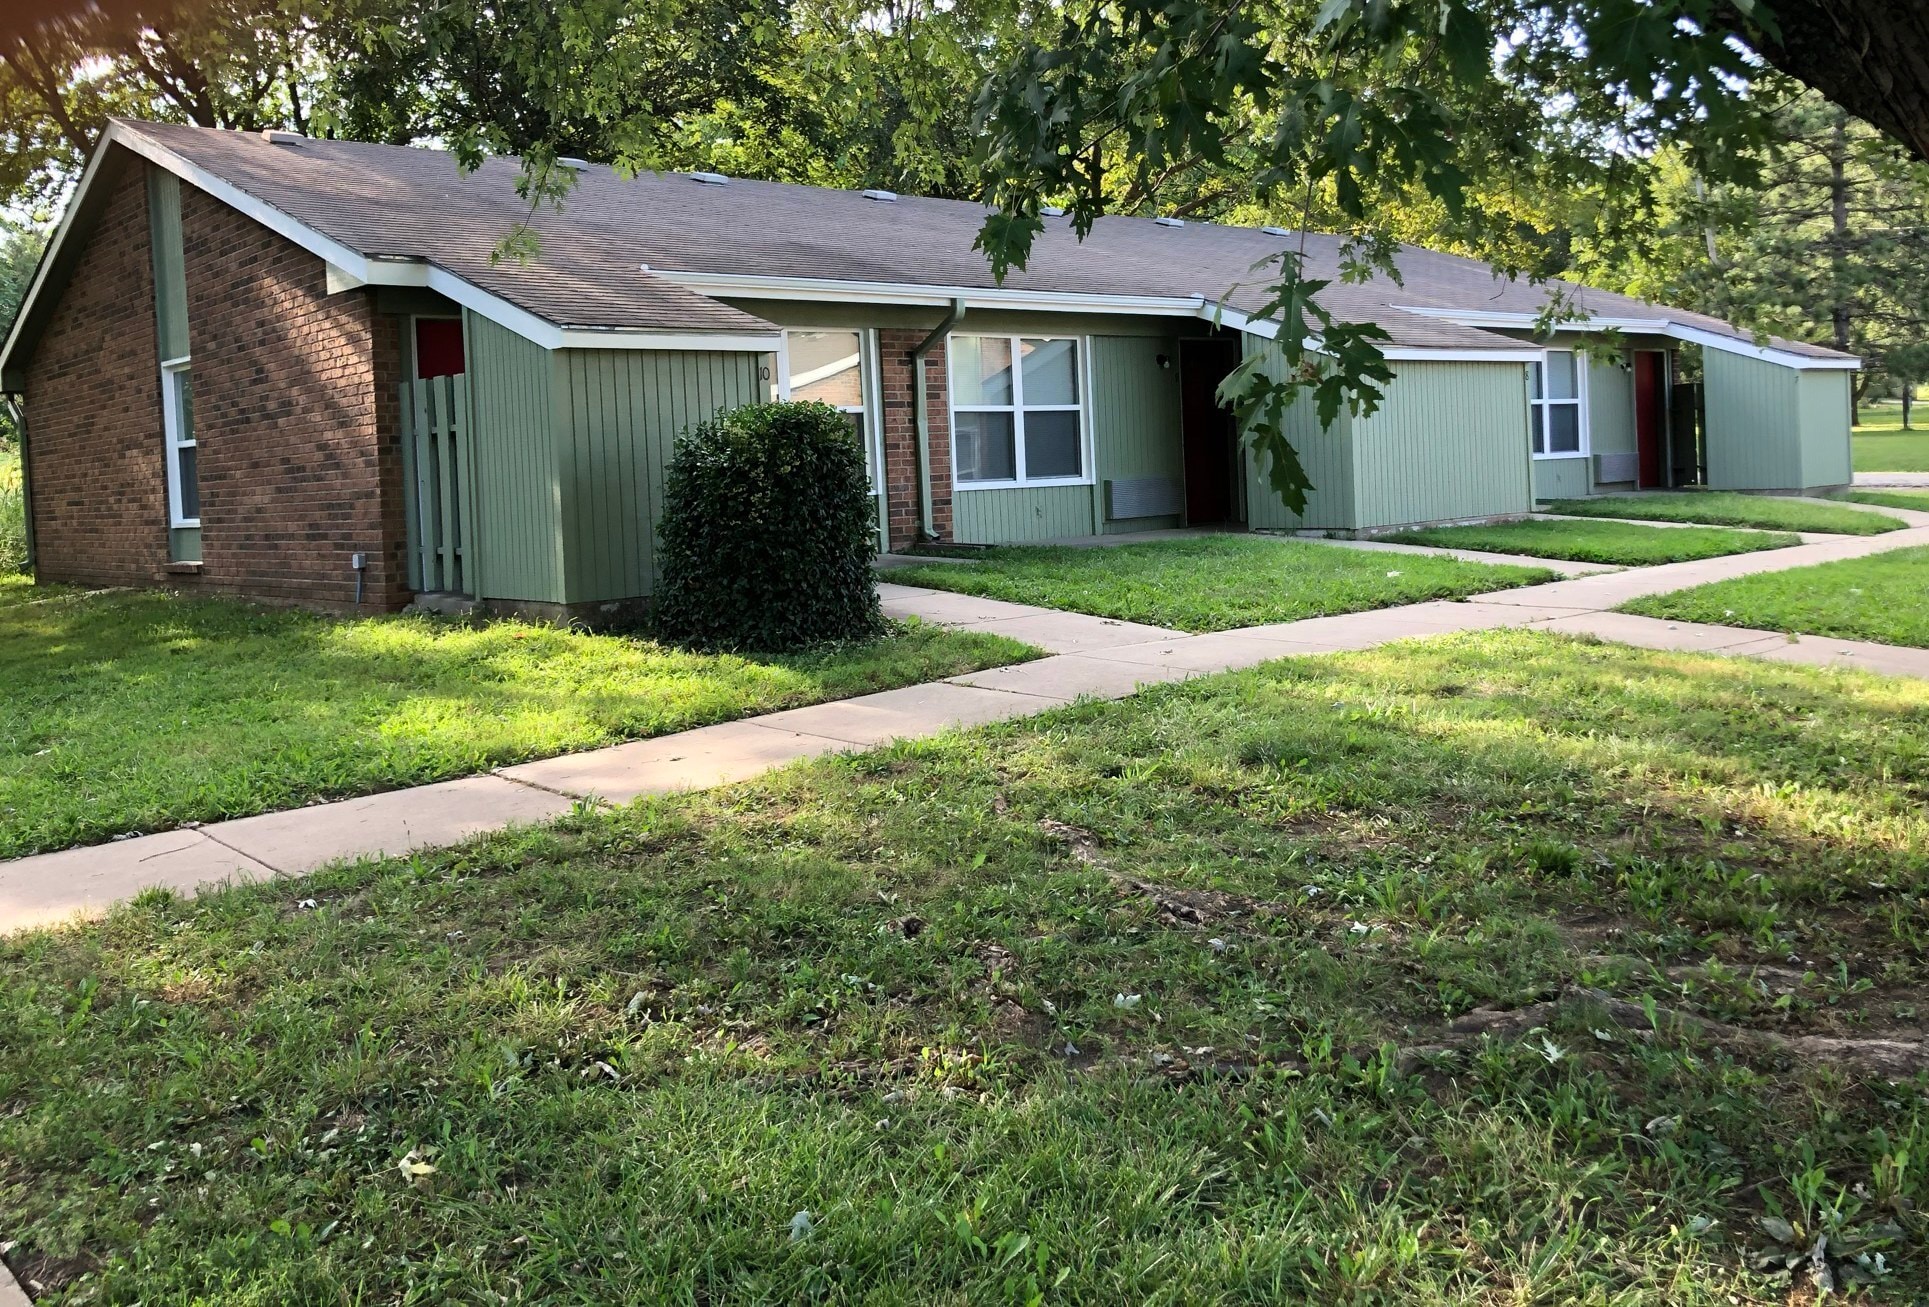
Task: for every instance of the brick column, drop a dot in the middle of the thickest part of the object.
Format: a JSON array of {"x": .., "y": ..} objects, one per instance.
[{"x": 898, "y": 385}]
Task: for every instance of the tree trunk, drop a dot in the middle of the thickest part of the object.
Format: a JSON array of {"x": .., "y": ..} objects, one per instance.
[
  {"x": 1908, "y": 401},
  {"x": 1869, "y": 56},
  {"x": 1841, "y": 297}
]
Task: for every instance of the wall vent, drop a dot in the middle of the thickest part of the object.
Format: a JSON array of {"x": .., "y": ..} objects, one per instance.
[
  {"x": 1131, "y": 497},
  {"x": 1610, "y": 468},
  {"x": 710, "y": 178},
  {"x": 889, "y": 197},
  {"x": 1170, "y": 222}
]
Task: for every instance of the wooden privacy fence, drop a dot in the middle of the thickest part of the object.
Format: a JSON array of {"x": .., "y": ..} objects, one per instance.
[{"x": 437, "y": 468}]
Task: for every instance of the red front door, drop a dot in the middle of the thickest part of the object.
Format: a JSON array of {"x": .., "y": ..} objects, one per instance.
[{"x": 1650, "y": 416}]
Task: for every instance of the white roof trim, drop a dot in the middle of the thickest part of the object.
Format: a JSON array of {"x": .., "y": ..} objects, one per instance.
[
  {"x": 832, "y": 291},
  {"x": 1267, "y": 330},
  {"x": 349, "y": 268},
  {"x": 1655, "y": 326}
]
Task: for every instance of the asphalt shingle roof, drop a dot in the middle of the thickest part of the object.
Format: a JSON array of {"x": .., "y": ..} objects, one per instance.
[{"x": 404, "y": 202}]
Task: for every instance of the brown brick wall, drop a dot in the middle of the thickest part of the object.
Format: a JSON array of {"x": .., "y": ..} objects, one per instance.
[
  {"x": 94, "y": 411},
  {"x": 294, "y": 413},
  {"x": 899, "y": 389},
  {"x": 299, "y": 462}
]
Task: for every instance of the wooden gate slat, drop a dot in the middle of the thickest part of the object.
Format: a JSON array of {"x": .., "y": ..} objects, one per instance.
[
  {"x": 425, "y": 506},
  {"x": 412, "y": 540},
  {"x": 445, "y": 477}
]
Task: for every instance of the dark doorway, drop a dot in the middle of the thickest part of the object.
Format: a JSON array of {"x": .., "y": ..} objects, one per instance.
[
  {"x": 438, "y": 348},
  {"x": 1651, "y": 417},
  {"x": 1209, "y": 432}
]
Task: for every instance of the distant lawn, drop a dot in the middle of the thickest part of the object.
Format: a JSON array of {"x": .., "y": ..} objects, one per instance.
[
  {"x": 137, "y": 711},
  {"x": 1916, "y": 499},
  {"x": 1881, "y": 445},
  {"x": 1212, "y": 583},
  {"x": 1599, "y": 542},
  {"x": 1884, "y": 598},
  {"x": 1899, "y": 452},
  {"x": 1725, "y": 508},
  {"x": 1177, "y": 1000}
]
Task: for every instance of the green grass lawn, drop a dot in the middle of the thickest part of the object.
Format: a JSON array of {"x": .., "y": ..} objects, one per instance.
[
  {"x": 137, "y": 711},
  {"x": 1881, "y": 445},
  {"x": 1897, "y": 498},
  {"x": 1727, "y": 508},
  {"x": 1212, "y": 583},
  {"x": 1170, "y": 1000},
  {"x": 1599, "y": 542},
  {"x": 1883, "y": 598},
  {"x": 1896, "y": 451}
]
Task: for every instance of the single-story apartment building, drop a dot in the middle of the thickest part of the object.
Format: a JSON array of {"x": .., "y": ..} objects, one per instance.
[{"x": 291, "y": 369}]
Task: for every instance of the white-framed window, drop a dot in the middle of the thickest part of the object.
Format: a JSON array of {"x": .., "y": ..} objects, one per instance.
[
  {"x": 836, "y": 366},
  {"x": 183, "y": 450},
  {"x": 1017, "y": 411},
  {"x": 1557, "y": 407}
]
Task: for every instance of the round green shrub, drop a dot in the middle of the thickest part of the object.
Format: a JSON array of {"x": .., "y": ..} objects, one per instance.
[{"x": 769, "y": 533}]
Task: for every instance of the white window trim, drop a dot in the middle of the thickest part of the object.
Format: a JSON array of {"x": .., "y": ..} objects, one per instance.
[
  {"x": 171, "y": 426},
  {"x": 870, "y": 416},
  {"x": 1017, "y": 409},
  {"x": 1580, "y": 401}
]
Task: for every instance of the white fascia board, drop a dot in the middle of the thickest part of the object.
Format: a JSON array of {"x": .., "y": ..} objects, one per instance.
[
  {"x": 1424, "y": 354},
  {"x": 831, "y": 291},
  {"x": 1651, "y": 326}
]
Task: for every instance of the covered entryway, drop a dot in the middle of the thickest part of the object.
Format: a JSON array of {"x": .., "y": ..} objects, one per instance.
[
  {"x": 1651, "y": 418},
  {"x": 1209, "y": 431}
]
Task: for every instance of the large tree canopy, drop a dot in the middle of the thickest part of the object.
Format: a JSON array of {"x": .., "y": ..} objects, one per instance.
[{"x": 1355, "y": 112}]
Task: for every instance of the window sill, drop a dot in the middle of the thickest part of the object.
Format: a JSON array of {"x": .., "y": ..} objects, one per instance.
[
  {"x": 181, "y": 568},
  {"x": 967, "y": 486},
  {"x": 1560, "y": 458}
]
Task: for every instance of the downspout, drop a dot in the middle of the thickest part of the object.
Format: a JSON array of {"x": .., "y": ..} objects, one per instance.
[
  {"x": 19, "y": 414},
  {"x": 927, "y": 528}
]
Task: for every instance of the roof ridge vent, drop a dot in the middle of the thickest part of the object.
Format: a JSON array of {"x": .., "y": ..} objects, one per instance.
[
  {"x": 889, "y": 197},
  {"x": 1276, "y": 231},
  {"x": 1052, "y": 211},
  {"x": 710, "y": 178},
  {"x": 1170, "y": 222},
  {"x": 572, "y": 163},
  {"x": 277, "y": 136}
]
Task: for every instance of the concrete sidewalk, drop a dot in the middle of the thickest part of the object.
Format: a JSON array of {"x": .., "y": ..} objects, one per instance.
[{"x": 1090, "y": 656}]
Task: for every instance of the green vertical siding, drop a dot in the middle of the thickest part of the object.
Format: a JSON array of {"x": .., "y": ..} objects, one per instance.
[
  {"x": 1754, "y": 438},
  {"x": 1561, "y": 478},
  {"x": 1135, "y": 418},
  {"x": 1610, "y": 407},
  {"x": 1018, "y": 516},
  {"x": 1326, "y": 454},
  {"x": 517, "y": 535},
  {"x": 620, "y": 412},
  {"x": 1449, "y": 441},
  {"x": 1824, "y": 397},
  {"x": 170, "y": 263}
]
